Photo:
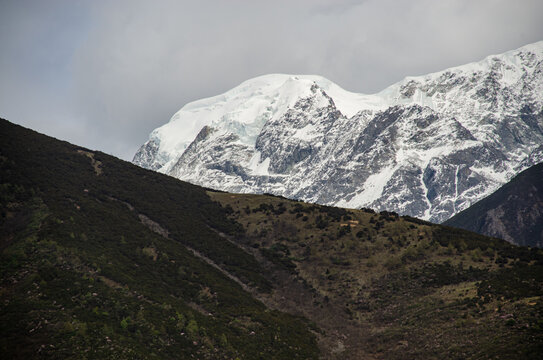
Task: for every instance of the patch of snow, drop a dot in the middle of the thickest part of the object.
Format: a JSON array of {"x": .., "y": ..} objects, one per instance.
[
  {"x": 306, "y": 133},
  {"x": 491, "y": 173},
  {"x": 256, "y": 167},
  {"x": 428, "y": 210},
  {"x": 455, "y": 187},
  {"x": 373, "y": 189}
]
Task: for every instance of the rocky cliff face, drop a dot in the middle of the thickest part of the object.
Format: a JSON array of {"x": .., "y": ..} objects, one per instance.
[{"x": 428, "y": 146}]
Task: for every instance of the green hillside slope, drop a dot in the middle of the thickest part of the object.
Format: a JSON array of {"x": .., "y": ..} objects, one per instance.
[
  {"x": 102, "y": 259},
  {"x": 384, "y": 286}
]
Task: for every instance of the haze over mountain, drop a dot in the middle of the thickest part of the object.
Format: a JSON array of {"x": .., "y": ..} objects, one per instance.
[{"x": 428, "y": 146}]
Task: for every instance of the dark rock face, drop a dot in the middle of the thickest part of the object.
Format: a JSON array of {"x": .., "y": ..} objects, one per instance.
[
  {"x": 428, "y": 146},
  {"x": 514, "y": 212}
]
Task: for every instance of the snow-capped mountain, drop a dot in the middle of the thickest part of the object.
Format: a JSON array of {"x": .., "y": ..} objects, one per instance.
[{"x": 428, "y": 146}]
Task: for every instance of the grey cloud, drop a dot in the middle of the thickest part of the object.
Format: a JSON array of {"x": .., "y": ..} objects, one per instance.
[{"x": 127, "y": 66}]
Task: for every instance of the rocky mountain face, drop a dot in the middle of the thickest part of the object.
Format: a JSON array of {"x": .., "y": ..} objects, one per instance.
[
  {"x": 514, "y": 212},
  {"x": 428, "y": 146}
]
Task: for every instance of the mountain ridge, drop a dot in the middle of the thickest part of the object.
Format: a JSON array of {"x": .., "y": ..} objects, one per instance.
[
  {"x": 427, "y": 146},
  {"x": 514, "y": 212}
]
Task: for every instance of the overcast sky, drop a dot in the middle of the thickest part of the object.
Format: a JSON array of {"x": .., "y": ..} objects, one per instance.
[{"x": 104, "y": 74}]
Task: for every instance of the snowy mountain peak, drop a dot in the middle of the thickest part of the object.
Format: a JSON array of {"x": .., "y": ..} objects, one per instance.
[
  {"x": 242, "y": 111},
  {"x": 427, "y": 146}
]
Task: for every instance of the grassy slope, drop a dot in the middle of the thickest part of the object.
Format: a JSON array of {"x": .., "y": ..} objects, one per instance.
[
  {"x": 406, "y": 288},
  {"x": 83, "y": 276}
]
